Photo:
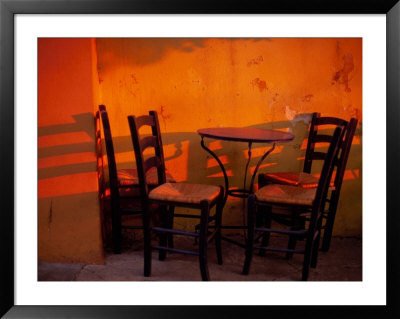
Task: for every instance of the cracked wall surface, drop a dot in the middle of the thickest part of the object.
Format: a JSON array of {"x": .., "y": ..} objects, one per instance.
[{"x": 196, "y": 83}]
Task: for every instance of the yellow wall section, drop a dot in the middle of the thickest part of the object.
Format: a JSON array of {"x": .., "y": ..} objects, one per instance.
[
  {"x": 269, "y": 83},
  {"x": 68, "y": 205}
]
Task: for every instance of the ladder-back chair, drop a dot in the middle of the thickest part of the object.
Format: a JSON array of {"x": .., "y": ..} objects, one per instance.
[
  {"x": 306, "y": 180},
  {"x": 301, "y": 199},
  {"x": 169, "y": 195}
]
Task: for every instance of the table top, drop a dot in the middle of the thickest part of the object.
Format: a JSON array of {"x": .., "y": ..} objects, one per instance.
[{"x": 245, "y": 134}]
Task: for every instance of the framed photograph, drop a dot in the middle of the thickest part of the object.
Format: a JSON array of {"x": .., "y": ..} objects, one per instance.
[{"x": 370, "y": 30}]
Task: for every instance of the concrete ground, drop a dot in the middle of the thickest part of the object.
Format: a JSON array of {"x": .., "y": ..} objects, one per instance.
[{"x": 343, "y": 262}]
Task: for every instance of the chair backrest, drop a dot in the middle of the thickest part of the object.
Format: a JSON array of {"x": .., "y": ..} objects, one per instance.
[
  {"x": 99, "y": 155},
  {"x": 317, "y": 124},
  {"x": 342, "y": 158},
  {"x": 112, "y": 166},
  {"x": 153, "y": 143},
  {"x": 326, "y": 174}
]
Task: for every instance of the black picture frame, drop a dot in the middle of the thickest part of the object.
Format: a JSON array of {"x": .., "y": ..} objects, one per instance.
[{"x": 9, "y": 8}]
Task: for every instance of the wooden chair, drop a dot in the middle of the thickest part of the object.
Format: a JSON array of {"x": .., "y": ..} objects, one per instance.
[
  {"x": 122, "y": 185},
  {"x": 301, "y": 199},
  {"x": 169, "y": 195},
  {"x": 306, "y": 180}
]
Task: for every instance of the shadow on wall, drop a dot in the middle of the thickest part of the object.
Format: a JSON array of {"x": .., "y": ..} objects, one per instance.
[
  {"x": 200, "y": 166},
  {"x": 80, "y": 125},
  {"x": 144, "y": 51},
  {"x": 286, "y": 156},
  {"x": 68, "y": 209}
]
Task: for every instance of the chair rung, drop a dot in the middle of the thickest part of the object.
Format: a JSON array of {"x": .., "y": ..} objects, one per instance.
[
  {"x": 175, "y": 231},
  {"x": 186, "y": 216},
  {"x": 131, "y": 212},
  {"x": 131, "y": 227},
  {"x": 211, "y": 235},
  {"x": 233, "y": 242},
  {"x": 181, "y": 251},
  {"x": 283, "y": 231},
  {"x": 295, "y": 251}
]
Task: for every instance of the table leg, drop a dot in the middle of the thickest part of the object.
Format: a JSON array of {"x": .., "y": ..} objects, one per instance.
[
  {"x": 245, "y": 192},
  {"x": 222, "y": 168},
  {"x": 258, "y": 166}
]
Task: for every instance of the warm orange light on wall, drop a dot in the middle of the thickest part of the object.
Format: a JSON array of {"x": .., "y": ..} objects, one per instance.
[{"x": 192, "y": 83}]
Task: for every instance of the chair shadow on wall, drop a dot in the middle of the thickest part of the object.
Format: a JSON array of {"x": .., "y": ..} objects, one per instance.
[
  {"x": 287, "y": 157},
  {"x": 65, "y": 160}
]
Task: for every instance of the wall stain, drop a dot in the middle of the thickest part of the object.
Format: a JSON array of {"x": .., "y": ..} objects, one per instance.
[
  {"x": 164, "y": 116},
  {"x": 134, "y": 80},
  {"x": 307, "y": 98},
  {"x": 342, "y": 76},
  {"x": 255, "y": 61},
  {"x": 262, "y": 85},
  {"x": 290, "y": 113}
]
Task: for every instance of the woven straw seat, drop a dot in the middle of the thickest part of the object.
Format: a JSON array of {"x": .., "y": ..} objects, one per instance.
[
  {"x": 185, "y": 193},
  {"x": 301, "y": 179},
  {"x": 286, "y": 194}
]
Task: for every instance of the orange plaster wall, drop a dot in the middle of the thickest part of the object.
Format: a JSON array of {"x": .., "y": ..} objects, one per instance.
[
  {"x": 68, "y": 206},
  {"x": 271, "y": 83}
]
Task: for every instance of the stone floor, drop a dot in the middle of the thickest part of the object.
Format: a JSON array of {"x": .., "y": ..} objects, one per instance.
[{"x": 343, "y": 262}]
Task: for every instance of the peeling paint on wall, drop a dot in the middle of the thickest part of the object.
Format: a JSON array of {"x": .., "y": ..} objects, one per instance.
[
  {"x": 290, "y": 114},
  {"x": 294, "y": 117},
  {"x": 262, "y": 85},
  {"x": 342, "y": 76},
  {"x": 164, "y": 116},
  {"x": 255, "y": 61},
  {"x": 307, "y": 98}
]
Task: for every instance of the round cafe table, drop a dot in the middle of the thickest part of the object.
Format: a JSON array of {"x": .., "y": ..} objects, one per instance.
[{"x": 250, "y": 136}]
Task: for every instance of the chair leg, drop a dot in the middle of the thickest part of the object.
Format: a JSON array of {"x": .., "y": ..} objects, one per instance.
[
  {"x": 292, "y": 239},
  {"x": 205, "y": 211},
  {"x": 147, "y": 243},
  {"x": 307, "y": 257},
  {"x": 250, "y": 235},
  {"x": 314, "y": 256},
  {"x": 116, "y": 226},
  {"x": 266, "y": 212},
  {"x": 171, "y": 225},
  {"x": 314, "y": 253},
  {"x": 162, "y": 254},
  {"x": 218, "y": 221},
  {"x": 330, "y": 220}
]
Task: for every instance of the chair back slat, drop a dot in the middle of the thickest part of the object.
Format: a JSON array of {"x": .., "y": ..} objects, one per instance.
[
  {"x": 316, "y": 125},
  {"x": 148, "y": 141},
  {"x": 325, "y": 178},
  {"x": 112, "y": 166},
  {"x": 141, "y": 143},
  {"x": 342, "y": 158},
  {"x": 322, "y": 138},
  {"x": 144, "y": 120},
  {"x": 318, "y": 156},
  {"x": 327, "y": 120},
  {"x": 150, "y": 163}
]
